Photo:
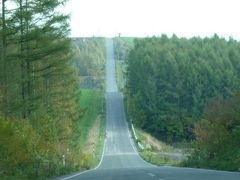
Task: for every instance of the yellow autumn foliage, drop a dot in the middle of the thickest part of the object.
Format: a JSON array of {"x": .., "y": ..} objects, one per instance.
[{"x": 17, "y": 142}]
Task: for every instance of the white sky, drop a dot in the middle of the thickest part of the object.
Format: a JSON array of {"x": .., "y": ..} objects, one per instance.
[{"x": 185, "y": 18}]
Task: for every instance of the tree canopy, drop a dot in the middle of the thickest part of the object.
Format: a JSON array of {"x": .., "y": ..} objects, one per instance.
[
  {"x": 38, "y": 91},
  {"x": 169, "y": 81}
]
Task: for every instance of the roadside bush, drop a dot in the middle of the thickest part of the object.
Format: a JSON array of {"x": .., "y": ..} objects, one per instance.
[
  {"x": 30, "y": 153},
  {"x": 217, "y": 145}
]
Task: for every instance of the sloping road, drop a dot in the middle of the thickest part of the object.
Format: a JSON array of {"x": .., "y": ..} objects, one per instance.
[{"x": 120, "y": 160}]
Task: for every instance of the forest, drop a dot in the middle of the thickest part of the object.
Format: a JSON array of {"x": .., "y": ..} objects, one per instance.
[
  {"x": 42, "y": 108},
  {"x": 182, "y": 89},
  {"x": 90, "y": 58},
  {"x": 122, "y": 47},
  {"x": 52, "y": 107}
]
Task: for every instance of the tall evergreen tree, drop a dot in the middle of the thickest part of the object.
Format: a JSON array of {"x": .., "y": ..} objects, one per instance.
[
  {"x": 40, "y": 84},
  {"x": 175, "y": 78}
]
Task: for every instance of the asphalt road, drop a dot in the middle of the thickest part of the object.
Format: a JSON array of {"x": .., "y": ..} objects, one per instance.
[{"x": 120, "y": 160}]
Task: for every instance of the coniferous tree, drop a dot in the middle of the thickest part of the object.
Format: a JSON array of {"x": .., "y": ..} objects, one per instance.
[
  {"x": 40, "y": 84},
  {"x": 175, "y": 78}
]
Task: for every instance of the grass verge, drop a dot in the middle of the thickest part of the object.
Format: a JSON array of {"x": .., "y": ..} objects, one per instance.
[
  {"x": 157, "y": 152},
  {"x": 151, "y": 143},
  {"x": 92, "y": 126},
  {"x": 154, "y": 158}
]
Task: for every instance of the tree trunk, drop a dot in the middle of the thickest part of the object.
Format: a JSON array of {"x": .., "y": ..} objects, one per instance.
[
  {"x": 23, "y": 94},
  {"x": 28, "y": 65},
  {"x": 4, "y": 50}
]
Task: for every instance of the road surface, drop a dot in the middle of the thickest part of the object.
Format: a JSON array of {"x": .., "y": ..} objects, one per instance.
[{"x": 120, "y": 159}]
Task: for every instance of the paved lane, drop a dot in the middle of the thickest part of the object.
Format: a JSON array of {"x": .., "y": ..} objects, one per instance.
[
  {"x": 119, "y": 149},
  {"x": 120, "y": 159},
  {"x": 155, "y": 173},
  {"x": 110, "y": 68}
]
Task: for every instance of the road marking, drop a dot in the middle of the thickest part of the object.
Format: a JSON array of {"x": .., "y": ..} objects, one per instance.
[
  {"x": 151, "y": 174},
  {"x": 104, "y": 143},
  {"x": 120, "y": 154},
  {"x": 90, "y": 169}
]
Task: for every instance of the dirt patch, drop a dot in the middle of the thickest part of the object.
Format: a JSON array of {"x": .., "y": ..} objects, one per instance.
[
  {"x": 152, "y": 143},
  {"x": 93, "y": 137}
]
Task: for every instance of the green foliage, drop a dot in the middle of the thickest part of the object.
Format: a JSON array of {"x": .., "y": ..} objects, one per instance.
[
  {"x": 39, "y": 96},
  {"x": 122, "y": 47},
  {"x": 27, "y": 153},
  {"x": 169, "y": 80},
  {"x": 217, "y": 136},
  {"x": 34, "y": 148},
  {"x": 121, "y": 74},
  {"x": 91, "y": 101},
  {"x": 90, "y": 60}
]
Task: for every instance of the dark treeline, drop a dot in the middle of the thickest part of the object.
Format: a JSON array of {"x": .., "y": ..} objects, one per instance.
[
  {"x": 170, "y": 80},
  {"x": 38, "y": 91}
]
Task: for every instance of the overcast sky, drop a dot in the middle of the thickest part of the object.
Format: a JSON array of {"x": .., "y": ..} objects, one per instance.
[{"x": 185, "y": 18}]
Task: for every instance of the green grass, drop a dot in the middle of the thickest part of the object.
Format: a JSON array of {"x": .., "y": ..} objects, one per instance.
[
  {"x": 152, "y": 146},
  {"x": 129, "y": 40},
  {"x": 93, "y": 103},
  {"x": 153, "y": 158}
]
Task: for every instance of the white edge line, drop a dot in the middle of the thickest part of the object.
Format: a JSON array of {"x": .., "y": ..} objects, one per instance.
[
  {"x": 134, "y": 132},
  {"x": 135, "y": 149},
  {"x": 131, "y": 139},
  {"x": 90, "y": 169}
]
